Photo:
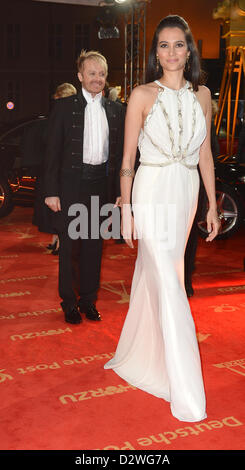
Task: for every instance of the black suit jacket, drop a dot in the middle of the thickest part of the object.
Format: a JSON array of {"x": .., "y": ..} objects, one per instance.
[{"x": 64, "y": 154}]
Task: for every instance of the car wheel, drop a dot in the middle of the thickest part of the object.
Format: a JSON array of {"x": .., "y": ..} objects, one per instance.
[
  {"x": 6, "y": 200},
  {"x": 229, "y": 211}
]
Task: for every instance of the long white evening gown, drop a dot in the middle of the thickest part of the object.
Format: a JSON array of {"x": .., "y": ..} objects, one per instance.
[{"x": 158, "y": 350}]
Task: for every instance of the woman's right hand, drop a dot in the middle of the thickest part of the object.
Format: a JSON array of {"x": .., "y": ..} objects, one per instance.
[
  {"x": 127, "y": 225},
  {"x": 53, "y": 203}
]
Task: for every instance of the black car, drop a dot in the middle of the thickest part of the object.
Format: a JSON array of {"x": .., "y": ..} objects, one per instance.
[
  {"x": 230, "y": 196},
  {"x": 21, "y": 153}
]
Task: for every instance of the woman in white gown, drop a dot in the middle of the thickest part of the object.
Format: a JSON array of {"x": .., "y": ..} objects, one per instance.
[{"x": 169, "y": 119}]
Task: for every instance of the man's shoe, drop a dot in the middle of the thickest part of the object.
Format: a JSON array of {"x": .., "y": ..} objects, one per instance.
[
  {"x": 90, "y": 311},
  {"x": 73, "y": 316}
]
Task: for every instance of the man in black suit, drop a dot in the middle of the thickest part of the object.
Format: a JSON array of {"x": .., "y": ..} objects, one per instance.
[{"x": 83, "y": 159}]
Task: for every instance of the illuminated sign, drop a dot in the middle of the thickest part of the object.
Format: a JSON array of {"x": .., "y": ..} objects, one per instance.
[{"x": 10, "y": 105}]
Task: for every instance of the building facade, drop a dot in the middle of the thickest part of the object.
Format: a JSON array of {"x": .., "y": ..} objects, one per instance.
[{"x": 40, "y": 43}]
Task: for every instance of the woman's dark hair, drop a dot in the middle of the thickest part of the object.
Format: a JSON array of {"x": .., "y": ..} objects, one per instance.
[{"x": 192, "y": 72}]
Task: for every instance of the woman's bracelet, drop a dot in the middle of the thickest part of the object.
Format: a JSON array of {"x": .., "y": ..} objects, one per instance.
[{"x": 127, "y": 172}]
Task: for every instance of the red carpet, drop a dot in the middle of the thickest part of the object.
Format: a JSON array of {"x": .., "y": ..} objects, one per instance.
[{"x": 55, "y": 393}]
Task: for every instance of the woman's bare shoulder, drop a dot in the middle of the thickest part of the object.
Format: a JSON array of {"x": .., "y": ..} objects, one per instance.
[
  {"x": 204, "y": 97},
  {"x": 204, "y": 92},
  {"x": 144, "y": 91}
]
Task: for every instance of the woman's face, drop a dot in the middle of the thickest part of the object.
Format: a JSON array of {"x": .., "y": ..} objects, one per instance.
[{"x": 172, "y": 49}]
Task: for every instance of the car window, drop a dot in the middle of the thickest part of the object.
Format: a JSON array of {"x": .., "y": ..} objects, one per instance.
[
  {"x": 24, "y": 145},
  {"x": 15, "y": 136}
]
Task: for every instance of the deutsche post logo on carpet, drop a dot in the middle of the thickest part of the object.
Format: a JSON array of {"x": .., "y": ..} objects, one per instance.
[
  {"x": 35, "y": 313},
  {"x": 232, "y": 288},
  {"x": 98, "y": 393},
  {"x": 40, "y": 333},
  {"x": 227, "y": 308},
  {"x": 237, "y": 366},
  {"x": 53, "y": 366},
  {"x": 21, "y": 279},
  {"x": 167, "y": 437},
  {"x": 118, "y": 288},
  {"x": 14, "y": 294}
]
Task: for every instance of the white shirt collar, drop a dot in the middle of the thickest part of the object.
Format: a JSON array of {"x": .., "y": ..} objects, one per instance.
[{"x": 89, "y": 98}]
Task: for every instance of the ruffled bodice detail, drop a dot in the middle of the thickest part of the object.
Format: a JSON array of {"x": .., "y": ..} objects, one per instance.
[{"x": 165, "y": 139}]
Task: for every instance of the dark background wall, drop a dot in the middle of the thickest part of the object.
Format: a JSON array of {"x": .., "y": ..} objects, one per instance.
[{"x": 40, "y": 43}]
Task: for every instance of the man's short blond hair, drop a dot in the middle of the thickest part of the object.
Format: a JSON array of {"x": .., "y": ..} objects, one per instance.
[{"x": 93, "y": 55}]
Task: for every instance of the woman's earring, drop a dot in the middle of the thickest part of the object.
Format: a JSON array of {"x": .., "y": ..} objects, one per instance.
[
  {"x": 187, "y": 65},
  {"x": 158, "y": 63}
]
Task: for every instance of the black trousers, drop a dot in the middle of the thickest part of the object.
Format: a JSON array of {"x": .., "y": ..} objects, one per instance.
[
  {"x": 191, "y": 247},
  {"x": 80, "y": 260},
  {"x": 190, "y": 253}
]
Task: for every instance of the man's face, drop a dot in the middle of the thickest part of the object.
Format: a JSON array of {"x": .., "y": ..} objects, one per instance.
[{"x": 93, "y": 76}]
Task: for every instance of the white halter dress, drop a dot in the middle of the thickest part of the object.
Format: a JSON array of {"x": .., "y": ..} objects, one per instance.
[{"x": 158, "y": 349}]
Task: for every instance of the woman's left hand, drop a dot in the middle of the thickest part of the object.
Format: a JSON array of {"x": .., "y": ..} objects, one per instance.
[{"x": 213, "y": 224}]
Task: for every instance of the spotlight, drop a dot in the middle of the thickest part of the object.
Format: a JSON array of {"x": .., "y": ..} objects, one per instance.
[
  {"x": 109, "y": 33},
  {"x": 121, "y": 1},
  {"x": 107, "y": 20}
]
